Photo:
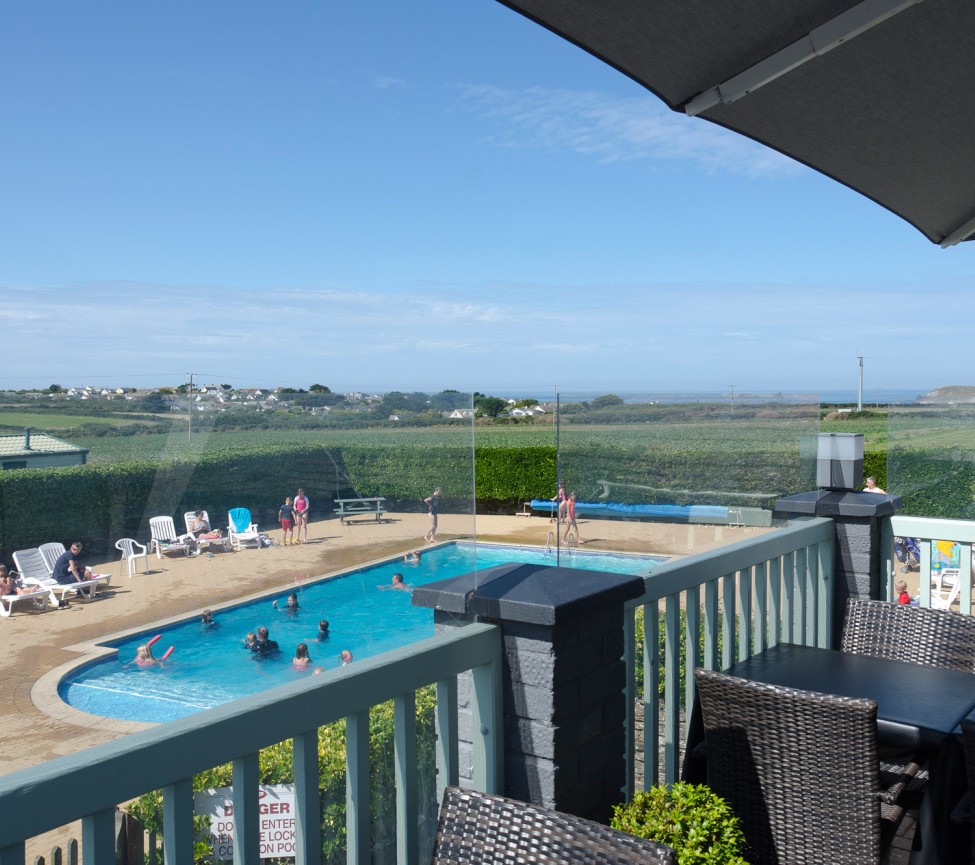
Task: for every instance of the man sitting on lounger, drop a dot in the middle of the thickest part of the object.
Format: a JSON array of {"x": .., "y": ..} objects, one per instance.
[{"x": 68, "y": 570}]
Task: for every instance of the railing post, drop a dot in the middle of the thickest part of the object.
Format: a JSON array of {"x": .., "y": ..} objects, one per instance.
[
  {"x": 247, "y": 819},
  {"x": 562, "y": 683},
  {"x": 308, "y": 824},
  {"x": 177, "y": 823},
  {"x": 446, "y": 745},
  {"x": 404, "y": 759},
  {"x": 357, "y": 829},
  {"x": 486, "y": 728},
  {"x": 98, "y": 836}
]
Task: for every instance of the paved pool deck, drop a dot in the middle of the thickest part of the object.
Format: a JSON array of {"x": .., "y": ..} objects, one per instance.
[{"x": 39, "y": 646}]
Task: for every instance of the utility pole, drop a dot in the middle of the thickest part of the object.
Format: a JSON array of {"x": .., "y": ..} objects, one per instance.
[
  {"x": 189, "y": 401},
  {"x": 860, "y": 389},
  {"x": 732, "y": 398}
]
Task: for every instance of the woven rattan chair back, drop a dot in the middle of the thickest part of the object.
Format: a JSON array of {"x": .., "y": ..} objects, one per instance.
[
  {"x": 800, "y": 770},
  {"x": 478, "y": 829},
  {"x": 936, "y": 638}
]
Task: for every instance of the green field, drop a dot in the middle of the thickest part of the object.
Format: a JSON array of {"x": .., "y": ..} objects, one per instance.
[
  {"x": 913, "y": 428},
  {"x": 768, "y": 436},
  {"x": 15, "y": 421}
]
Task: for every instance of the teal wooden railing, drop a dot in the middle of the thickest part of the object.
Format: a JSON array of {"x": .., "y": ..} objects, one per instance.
[
  {"x": 774, "y": 588},
  {"x": 927, "y": 530},
  {"x": 738, "y": 600},
  {"x": 88, "y": 785}
]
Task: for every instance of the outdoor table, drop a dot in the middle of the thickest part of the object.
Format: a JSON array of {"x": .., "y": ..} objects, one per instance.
[
  {"x": 351, "y": 507},
  {"x": 917, "y": 707}
]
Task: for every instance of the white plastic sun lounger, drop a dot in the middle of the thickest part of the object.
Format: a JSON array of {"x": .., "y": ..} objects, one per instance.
[
  {"x": 33, "y": 572},
  {"x": 39, "y": 598},
  {"x": 52, "y": 552}
]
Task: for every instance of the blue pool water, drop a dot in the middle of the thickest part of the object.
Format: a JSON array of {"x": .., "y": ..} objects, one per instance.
[{"x": 211, "y": 667}]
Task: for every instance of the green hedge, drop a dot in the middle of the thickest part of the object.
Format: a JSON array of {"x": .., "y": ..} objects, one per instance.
[{"x": 98, "y": 504}]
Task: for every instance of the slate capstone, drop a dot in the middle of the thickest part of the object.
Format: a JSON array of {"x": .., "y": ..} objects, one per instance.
[
  {"x": 536, "y": 594},
  {"x": 828, "y": 503}
]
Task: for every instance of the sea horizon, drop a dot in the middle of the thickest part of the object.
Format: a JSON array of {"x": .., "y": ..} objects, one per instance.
[{"x": 875, "y": 396}]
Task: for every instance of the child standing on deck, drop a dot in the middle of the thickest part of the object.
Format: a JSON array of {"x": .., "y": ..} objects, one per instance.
[
  {"x": 302, "y": 506},
  {"x": 286, "y": 516}
]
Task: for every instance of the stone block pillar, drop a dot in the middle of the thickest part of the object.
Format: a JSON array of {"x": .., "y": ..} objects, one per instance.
[
  {"x": 563, "y": 678},
  {"x": 856, "y": 551}
]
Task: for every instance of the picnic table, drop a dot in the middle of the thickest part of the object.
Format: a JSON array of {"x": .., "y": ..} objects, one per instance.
[{"x": 352, "y": 507}]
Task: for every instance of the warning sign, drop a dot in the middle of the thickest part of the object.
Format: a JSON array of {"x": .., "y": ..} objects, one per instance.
[{"x": 276, "y": 805}]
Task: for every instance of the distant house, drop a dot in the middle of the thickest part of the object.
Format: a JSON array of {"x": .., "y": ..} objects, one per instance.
[
  {"x": 39, "y": 451},
  {"x": 460, "y": 413}
]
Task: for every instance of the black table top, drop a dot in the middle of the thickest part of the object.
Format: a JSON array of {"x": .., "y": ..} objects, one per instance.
[{"x": 917, "y": 706}]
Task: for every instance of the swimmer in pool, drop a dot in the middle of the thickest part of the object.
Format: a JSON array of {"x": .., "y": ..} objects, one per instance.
[
  {"x": 397, "y": 584},
  {"x": 412, "y": 558},
  {"x": 264, "y": 645},
  {"x": 292, "y": 607},
  {"x": 345, "y": 656},
  {"x": 250, "y": 640},
  {"x": 301, "y": 658},
  {"x": 323, "y": 633},
  {"x": 208, "y": 621},
  {"x": 143, "y": 655}
]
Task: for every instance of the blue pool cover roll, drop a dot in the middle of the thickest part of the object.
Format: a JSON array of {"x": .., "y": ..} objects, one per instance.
[{"x": 615, "y": 509}]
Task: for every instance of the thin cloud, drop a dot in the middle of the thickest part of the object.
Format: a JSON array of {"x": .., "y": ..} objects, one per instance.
[
  {"x": 385, "y": 82},
  {"x": 611, "y": 129}
]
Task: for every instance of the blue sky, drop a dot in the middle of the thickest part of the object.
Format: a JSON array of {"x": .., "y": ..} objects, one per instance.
[{"x": 378, "y": 195}]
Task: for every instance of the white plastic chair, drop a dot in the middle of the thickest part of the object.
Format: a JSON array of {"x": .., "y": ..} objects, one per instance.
[
  {"x": 945, "y": 588},
  {"x": 132, "y": 551}
]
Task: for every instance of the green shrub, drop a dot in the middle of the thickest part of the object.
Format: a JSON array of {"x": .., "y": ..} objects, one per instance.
[{"x": 691, "y": 818}]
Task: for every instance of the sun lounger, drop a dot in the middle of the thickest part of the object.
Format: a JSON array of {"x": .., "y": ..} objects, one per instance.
[
  {"x": 213, "y": 538},
  {"x": 52, "y": 552},
  {"x": 33, "y": 572},
  {"x": 39, "y": 598},
  {"x": 164, "y": 538},
  {"x": 241, "y": 530}
]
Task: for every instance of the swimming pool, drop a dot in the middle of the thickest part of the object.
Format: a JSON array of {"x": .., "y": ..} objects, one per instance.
[{"x": 210, "y": 667}]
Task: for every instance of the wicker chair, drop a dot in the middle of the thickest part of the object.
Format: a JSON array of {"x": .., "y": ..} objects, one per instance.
[
  {"x": 800, "y": 770},
  {"x": 478, "y": 829},
  {"x": 936, "y": 638}
]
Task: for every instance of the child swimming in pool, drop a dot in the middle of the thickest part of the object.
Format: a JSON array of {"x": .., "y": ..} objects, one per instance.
[
  {"x": 412, "y": 558},
  {"x": 250, "y": 640},
  {"x": 143, "y": 655},
  {"x": 207, "y": 620},
  {"x": 345, "y": 656},
  {"x": 292, "y": 607},
  {"x": 301, "y": 658},
  {"x": 323, "y": 633}
]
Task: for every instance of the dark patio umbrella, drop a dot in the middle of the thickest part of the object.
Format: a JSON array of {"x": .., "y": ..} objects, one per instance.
[{"x": 879, "y": 95}]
